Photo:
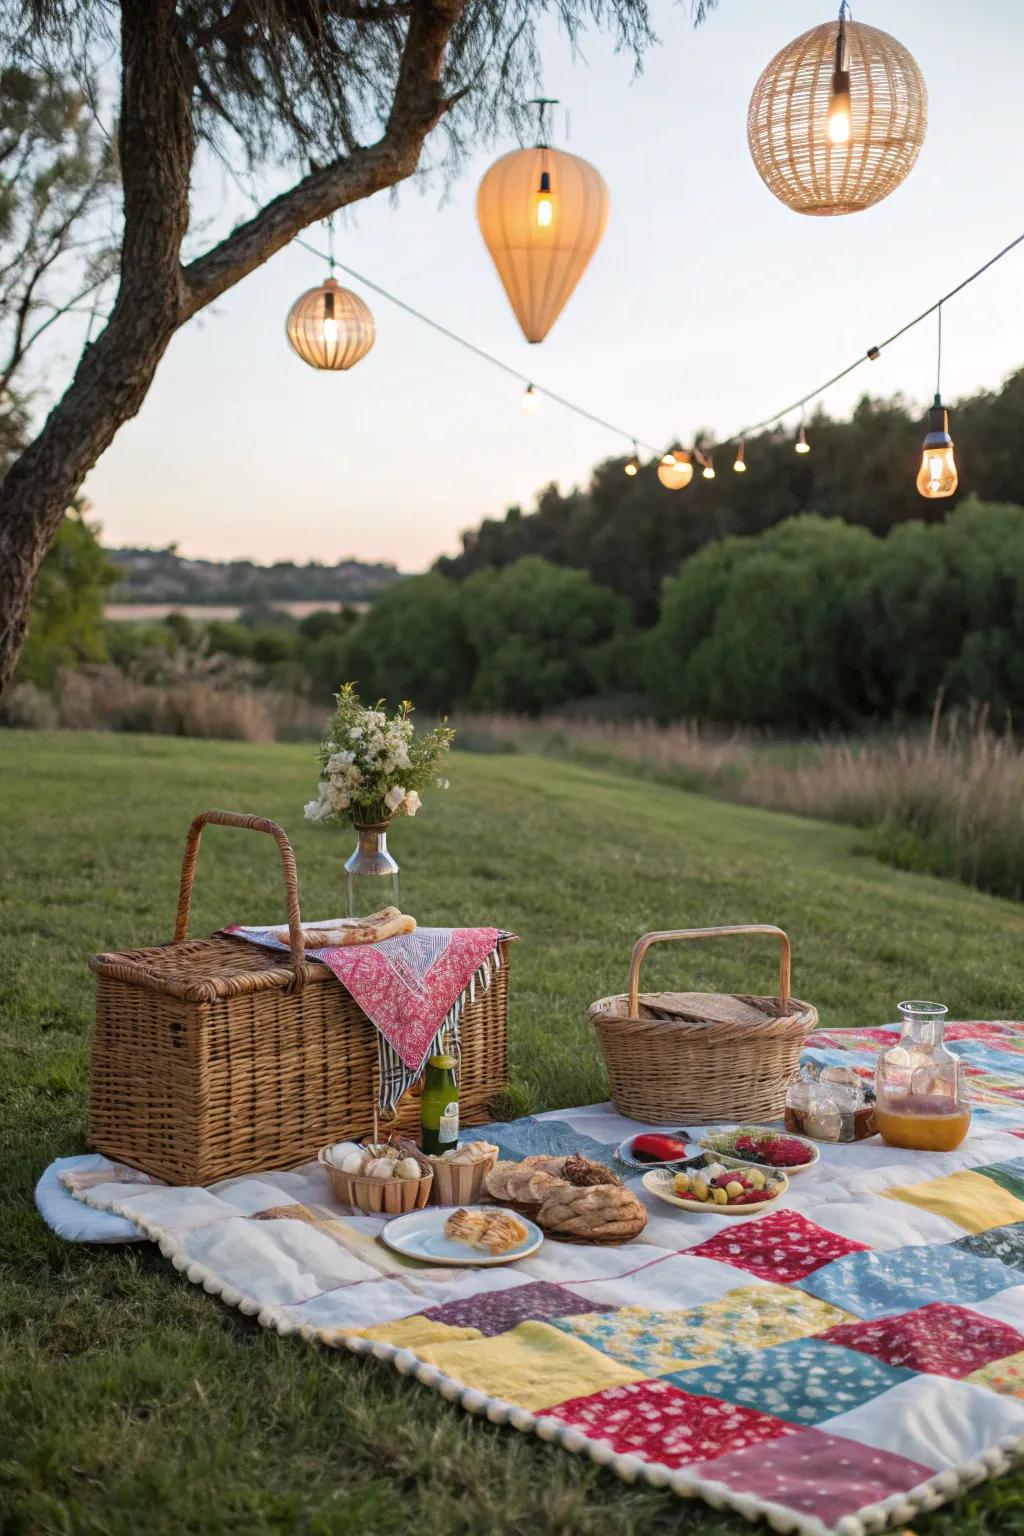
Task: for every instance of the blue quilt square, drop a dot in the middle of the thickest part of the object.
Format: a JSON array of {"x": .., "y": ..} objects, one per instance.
[
  {"x": 1003, "y": 1243},
  {"x": 803, "y": 1381},
  {"x": 877, "y": 1284},
  {"x": 552, "y": 1138}
]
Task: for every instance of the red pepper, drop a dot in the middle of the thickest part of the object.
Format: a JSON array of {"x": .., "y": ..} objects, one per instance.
[{"x": 658, "y": 1149}]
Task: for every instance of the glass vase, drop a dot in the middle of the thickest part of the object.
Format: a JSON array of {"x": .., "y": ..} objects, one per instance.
[
  {"x": 922, "y": 1100},
  {"x": 371, "y": 874}
]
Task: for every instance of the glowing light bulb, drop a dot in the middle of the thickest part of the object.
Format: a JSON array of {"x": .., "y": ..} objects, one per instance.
[
  {"x": 330, "y": 330},
  {"x": 839, "y": 111},
  {"x": 937, "y": 476},
  {"x": 739, "y": 463},
  {"x": 802, "y": 445},
  {"x": 531, "y": 400},
  {"x": 632, "y": 467},
  {"x": 544, "y": 203},
  {"x": 708, "y": 471}
]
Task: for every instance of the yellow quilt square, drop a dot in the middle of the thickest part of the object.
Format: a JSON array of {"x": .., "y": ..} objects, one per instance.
[
  {"x": 415, "y": 1332},
  {"x": 972, "y": 1201},
  {"x": 1006, "y": 1376},
  {"x": 533, "y": 1365}
]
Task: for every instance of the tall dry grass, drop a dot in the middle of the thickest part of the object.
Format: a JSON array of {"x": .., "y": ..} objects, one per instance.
[{"x": 947, "y": 801}]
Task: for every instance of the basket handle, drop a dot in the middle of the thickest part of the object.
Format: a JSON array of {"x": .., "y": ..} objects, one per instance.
[
  {"x": 641, "y": 947},
  {"x": 291, "y": 880}
]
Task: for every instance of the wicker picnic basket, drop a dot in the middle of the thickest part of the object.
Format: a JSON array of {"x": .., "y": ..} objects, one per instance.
[
  {"x": 701, "y": 1056},
  {"x": 213, "y": 1058}
]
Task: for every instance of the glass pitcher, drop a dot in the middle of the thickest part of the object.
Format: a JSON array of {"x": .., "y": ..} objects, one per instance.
[{"x": 922, "y": 1100}]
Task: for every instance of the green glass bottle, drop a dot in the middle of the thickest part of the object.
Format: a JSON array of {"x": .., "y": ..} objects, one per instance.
[{"x": 439, "y": 1107}]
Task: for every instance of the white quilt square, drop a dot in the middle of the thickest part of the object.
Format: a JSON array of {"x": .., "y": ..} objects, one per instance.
[{"x": 932, "y": 1420}]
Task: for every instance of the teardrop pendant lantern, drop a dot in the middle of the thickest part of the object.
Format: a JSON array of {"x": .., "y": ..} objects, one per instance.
[
  {"x": 542, "y": 213},
  {"x": 837, "y": 119},
  {"x": 330, "y": 327}
]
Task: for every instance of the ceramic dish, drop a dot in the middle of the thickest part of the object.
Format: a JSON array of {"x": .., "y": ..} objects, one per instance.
[
  {"x": 420, "y": 1235},
  {"x": 723, "y": 1144},
  {"x": 660, "y": 1182},
  {"x": 624, "y": 1152}
]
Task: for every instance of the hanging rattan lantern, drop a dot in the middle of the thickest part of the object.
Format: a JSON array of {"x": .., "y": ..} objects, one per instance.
[
  {"x": 330, "y": 327},
  {"x": 838, "y": 118},
  {"x": 542, "y": 213},
  {"x": 675, "y": 470}
]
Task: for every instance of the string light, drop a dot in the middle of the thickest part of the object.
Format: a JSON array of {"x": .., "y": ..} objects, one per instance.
[
  {"x": 530, "y": 401},
  {"x": 708, "y": 472},
  {"x": 937, "y": 476},
  {"x": 872, "y": 354},
  {"x": 632, "y": 466},
  {"x": 801, "y": 445},
  {"x": 740, "y": 463}
]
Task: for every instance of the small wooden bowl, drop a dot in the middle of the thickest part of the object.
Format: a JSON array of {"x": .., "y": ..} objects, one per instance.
[
  {"x": 459, "y": 1183},
  {"x": 380, "y": 1197}
]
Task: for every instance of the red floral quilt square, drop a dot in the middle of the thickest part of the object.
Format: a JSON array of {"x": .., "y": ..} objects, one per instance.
[
  {"x": 657, "y": 1422},
  {"x": 941, "y": 1339},
  {"x": 817, "y": 1475},
  {"x": 783, "y": 1247}
]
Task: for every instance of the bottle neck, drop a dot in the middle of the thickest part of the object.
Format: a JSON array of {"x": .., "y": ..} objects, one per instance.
[{"x": 921, "y": 1031}]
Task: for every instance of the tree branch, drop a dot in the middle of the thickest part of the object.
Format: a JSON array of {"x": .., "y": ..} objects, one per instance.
[{"x": 417, "y": 107}]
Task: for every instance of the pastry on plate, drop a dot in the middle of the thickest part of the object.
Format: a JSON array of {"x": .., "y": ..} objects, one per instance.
[{"x": 490, "y": 1232}]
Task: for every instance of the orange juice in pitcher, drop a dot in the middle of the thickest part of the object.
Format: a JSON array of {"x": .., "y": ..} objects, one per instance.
[{"x": 922, "y": 1101}]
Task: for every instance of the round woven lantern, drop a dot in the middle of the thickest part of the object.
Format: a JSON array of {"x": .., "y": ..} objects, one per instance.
[
  {"x": 675, "y": 470},
  {"x": 788, "y": 120},
  {"x": 542, "y": 214},
  {"x": 330, "y": 327}
]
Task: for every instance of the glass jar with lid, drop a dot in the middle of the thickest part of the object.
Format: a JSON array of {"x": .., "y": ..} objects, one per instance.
[{"x": 922, "y": 1098}]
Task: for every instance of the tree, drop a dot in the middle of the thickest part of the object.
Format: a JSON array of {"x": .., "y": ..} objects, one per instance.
[
  {"x": 411, "y": 645},
  {"x": 350, "y": 89},
  {"x": 66, "y": 624}
]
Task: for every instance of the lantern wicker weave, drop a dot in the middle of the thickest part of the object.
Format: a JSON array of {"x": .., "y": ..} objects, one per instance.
[
  {"x": 674, "y": 1057},
  {"x": 212, "y": 1057},
  {"x": 354, "y": 331},
  {"x": 787, "y": 122},
  {"x": 540, "y": 265}
]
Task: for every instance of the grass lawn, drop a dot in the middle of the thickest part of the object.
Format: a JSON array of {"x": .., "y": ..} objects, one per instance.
[{"x": 129, "y": 1400}]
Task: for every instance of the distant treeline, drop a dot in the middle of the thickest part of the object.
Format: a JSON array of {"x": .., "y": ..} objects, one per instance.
[
  {"x": 629, "y": 534},
  {"x": 165, "y": 576}
]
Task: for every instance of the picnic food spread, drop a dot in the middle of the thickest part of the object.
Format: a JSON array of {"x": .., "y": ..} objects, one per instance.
[{"x": 726, "y": 1186}]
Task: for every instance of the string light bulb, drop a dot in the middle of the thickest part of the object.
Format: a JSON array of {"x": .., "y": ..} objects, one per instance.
[
  {"x": 708, "y": 472},
  {"x": 801, "y": 445},
  {"x": 740, "y": 463},
  {"x": 632, "y": 465},
  {"x": 839, "y": 100},
  {"x": 937, "y": 476},
  {"x": 675, "y": 470},
  {"x": 530, "y": 401}
]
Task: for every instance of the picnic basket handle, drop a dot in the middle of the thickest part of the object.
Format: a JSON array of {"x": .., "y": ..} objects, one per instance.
[
  {"x": 291, "y": 879},
  {"x": 641, "y": 947}
]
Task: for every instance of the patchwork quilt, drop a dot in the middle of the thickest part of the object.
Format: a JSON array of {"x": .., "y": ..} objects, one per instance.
[{"x": 837, "y": 1364}]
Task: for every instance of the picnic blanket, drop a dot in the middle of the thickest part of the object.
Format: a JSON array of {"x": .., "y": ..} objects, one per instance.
[
  {"x": 412, "y": 988},
  {"x": 838, "y": 1364}
]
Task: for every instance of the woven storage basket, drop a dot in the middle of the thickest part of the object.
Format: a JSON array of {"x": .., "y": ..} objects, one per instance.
[
  {"x": 710, "y": 1055},
  {"x": 212, "y": 1057}
]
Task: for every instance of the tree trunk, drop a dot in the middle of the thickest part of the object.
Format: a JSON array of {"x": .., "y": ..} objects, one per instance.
[{"x": 156, "y": 295}]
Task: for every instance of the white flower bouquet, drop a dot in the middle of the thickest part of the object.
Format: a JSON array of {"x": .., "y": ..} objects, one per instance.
[{"x": 374, "y": 766}]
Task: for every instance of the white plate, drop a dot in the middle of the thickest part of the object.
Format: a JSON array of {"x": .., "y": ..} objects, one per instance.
[
  {"x": 707, "y": 1144},
  {"x": 660, "y": 1183},
  {"x": 420, "y": 1235},
  {"x": 624, "y": 1151}
]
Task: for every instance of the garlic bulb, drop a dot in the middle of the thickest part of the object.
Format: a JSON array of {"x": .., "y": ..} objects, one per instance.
[
  {"x": 379, "y": 1168},
  {"x": 352, "y": 1163},
  {"x": 408, "y": 1168}
]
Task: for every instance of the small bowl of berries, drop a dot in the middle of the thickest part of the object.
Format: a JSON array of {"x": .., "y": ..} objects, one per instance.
[{"x": 763, "y": 1147}]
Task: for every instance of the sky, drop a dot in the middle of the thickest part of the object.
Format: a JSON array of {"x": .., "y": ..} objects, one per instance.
[{"x": 708, "y": 304}]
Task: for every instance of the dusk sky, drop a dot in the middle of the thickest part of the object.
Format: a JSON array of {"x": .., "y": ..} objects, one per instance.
[{"x": 708, "y": 304}]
